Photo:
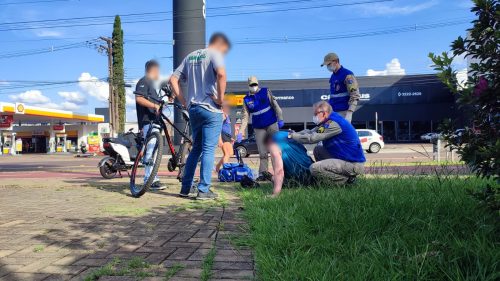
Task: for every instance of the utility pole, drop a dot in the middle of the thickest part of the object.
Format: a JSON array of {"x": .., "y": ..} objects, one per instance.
[
  {"x": 189, "y": 35},
  {"x": 112, "y": 103}
]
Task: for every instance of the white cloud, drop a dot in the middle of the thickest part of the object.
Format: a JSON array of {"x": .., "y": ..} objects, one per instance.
[
  {"x": 94, "y": 87},
  {"x": 37, "y": 98},
  {"x": 129, "y": 94},
  {"x": 31, "y": 97},
  {"x": 391, "y": 68},
  {"x": 393, "y": 9},
  {"x": 296, "y": 75},
  {"x": 73, "y": 97},
  {"x": 48, "y": 33}
]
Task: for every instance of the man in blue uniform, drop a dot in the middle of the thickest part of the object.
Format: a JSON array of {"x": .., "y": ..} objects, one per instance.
[
  {"x": 267, "y": 118},
  {"x": 341, "y": 158},
  {"x": 344, "y": 91}
]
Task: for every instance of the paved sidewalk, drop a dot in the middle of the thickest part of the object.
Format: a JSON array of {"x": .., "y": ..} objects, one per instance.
[{"x": 68, "y": 230}]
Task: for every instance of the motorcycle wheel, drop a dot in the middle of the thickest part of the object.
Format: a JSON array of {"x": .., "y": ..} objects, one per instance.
[{"x": 107, "y": 170}]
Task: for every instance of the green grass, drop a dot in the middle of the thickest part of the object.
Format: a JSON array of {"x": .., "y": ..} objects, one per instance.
[
  {"x": 172, "y": 271},
  {"x": 135, "y": 267},
  {"x": 208, "y": 263},
  {"x": 39, "y": 248},
  {"x": 399, "y": 228}
]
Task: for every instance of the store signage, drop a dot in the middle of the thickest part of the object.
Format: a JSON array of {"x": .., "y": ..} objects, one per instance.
[
  {"x": 284, "y": 97},
  {"x": 59, "y": 127},
  {"x": 409, "y": 94},
  {"x": 20, "y": 108},
  {"x": 6, "y": 121},
  {"x": 38, "y": 133}
]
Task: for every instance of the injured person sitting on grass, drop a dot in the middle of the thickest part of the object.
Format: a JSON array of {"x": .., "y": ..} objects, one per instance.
[{"x": 339, "y": 156}]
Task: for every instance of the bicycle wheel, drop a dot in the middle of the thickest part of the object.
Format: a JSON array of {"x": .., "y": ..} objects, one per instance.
[
  {"x": 184, "y": 152},
  {"x": 137, "y": 184}
]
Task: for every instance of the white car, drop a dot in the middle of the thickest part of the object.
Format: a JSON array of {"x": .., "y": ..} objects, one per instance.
[
  {"x": 371, "y": 141},
  {"x": 430, "y": 136}
]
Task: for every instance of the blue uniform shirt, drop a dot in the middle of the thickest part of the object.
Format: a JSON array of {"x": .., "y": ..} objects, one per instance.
[{"x": 339, "y": 91}]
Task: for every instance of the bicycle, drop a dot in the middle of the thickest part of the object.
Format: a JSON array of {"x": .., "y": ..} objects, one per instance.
[{"x": 154, "y": 137}]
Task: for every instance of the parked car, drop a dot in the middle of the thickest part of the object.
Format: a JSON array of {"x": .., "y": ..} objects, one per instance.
[
  {"x": 371, "y": 141},
  {"x": 246, "y": 147},
  {"x": 429, "y": 136}
]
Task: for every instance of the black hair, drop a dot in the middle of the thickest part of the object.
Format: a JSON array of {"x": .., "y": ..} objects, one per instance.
[
  {"x": 219, "y": 36},
  {"x": 150, "y": 64}
]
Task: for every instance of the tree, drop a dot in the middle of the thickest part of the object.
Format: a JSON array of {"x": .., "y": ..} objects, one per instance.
[
  {"x": 118, "y": 75},
  {"x": 479, "y": 144}
]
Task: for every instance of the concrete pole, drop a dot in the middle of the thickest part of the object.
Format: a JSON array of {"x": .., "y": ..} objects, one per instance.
[
  {"x": 189, "y": 35},
  {"x": 13, "y": 147}
]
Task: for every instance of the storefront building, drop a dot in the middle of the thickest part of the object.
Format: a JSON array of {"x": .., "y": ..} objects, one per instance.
[
  {"x": 30, "y": 129},
  {"x": 401, "y": 108}
]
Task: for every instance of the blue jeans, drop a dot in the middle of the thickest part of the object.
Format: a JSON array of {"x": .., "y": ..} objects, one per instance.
[
  {"x": 148, "y": 168},
  {"x": 206, "y": 127}
]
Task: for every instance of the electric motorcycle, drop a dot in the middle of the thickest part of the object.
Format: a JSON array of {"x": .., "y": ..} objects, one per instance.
[{"x": 121, "y": 153}]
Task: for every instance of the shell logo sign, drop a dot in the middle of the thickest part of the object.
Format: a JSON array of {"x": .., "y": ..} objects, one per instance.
[
  {"x": 234, "y": 99},
  {"x": 20, "y": 108}
]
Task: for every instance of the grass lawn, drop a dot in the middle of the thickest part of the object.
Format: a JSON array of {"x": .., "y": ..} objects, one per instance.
[{"x": 413, "y": 228}]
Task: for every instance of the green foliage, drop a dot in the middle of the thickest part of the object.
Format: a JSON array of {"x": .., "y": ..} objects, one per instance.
[
  {"x": 171, "y": 272},
  {"x": 208, "y": 264},
  {"x": 479, "y": 146},
  {"x": 400, "y": 228},
  {"x": 136, "y": 267},
  {"x": 118, "y": 73}
]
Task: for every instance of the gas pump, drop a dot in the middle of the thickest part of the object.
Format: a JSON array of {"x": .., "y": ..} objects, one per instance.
[{"x": 60, "y": 142}]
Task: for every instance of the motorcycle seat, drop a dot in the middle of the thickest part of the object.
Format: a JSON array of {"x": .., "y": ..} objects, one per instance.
[{"x": 121, "y": 141}]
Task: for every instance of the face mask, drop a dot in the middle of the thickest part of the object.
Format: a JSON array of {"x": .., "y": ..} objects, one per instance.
[
  {"x": 331, "y": 68},
  {"x": 253, "y": 89},
  {"x": 316, "y": 120}
]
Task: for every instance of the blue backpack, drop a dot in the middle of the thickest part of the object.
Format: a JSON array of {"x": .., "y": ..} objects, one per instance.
[{"x": 235, "y": 172}]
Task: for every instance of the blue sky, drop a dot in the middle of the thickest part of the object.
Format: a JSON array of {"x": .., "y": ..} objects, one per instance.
[{"x": 396, "y": 53}]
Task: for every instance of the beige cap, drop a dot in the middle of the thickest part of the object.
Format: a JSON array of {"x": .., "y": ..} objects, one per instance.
[
  {"x": 329, "y": 58},
  {"x": 253, "y": 80}
]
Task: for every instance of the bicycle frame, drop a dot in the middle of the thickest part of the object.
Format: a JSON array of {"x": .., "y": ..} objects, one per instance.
[{"x": 162, "y": 120}]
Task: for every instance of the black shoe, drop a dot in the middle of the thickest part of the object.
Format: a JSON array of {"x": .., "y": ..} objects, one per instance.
[
  {"x": 193, "y": 191},
  {"x": 265, "y": 176},
  {"x": 206, "y": 195},
  {"x": 157, "y": 185},
  {"x": 247, "y": 182},
  {"x": 351, "y": 180}
]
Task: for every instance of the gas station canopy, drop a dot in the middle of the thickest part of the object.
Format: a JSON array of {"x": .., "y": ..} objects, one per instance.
[{"x": 33, "y": 114}]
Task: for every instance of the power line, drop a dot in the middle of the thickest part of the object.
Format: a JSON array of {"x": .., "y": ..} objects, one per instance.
[
  {"x": 146, "y": 17},
  {"x": 32, "y": 2},
  {"x": 324, "y": 37},
  {"x": 50, "y": 49}
]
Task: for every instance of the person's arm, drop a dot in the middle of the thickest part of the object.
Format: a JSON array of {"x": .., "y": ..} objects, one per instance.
[
  {"x": 244, "y": 121},
  {"x": 146, "y": 103},
  {"x": 275, "y": 105},
  {"x": 318, "y": 135},
  {"x": 353, "y": 88},
  {"x": 221, "y": 85},
  {"x": 175, "y": 80},
  {"x": 141, "y": 96},
  {"x": 220, "y": 70}
]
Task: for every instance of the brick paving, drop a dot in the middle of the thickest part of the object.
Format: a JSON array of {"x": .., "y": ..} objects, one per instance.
[{"x": 66, "y": 229}]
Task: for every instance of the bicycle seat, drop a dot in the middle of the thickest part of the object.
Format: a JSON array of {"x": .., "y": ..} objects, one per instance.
[{"x": 185, "y": 115}]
